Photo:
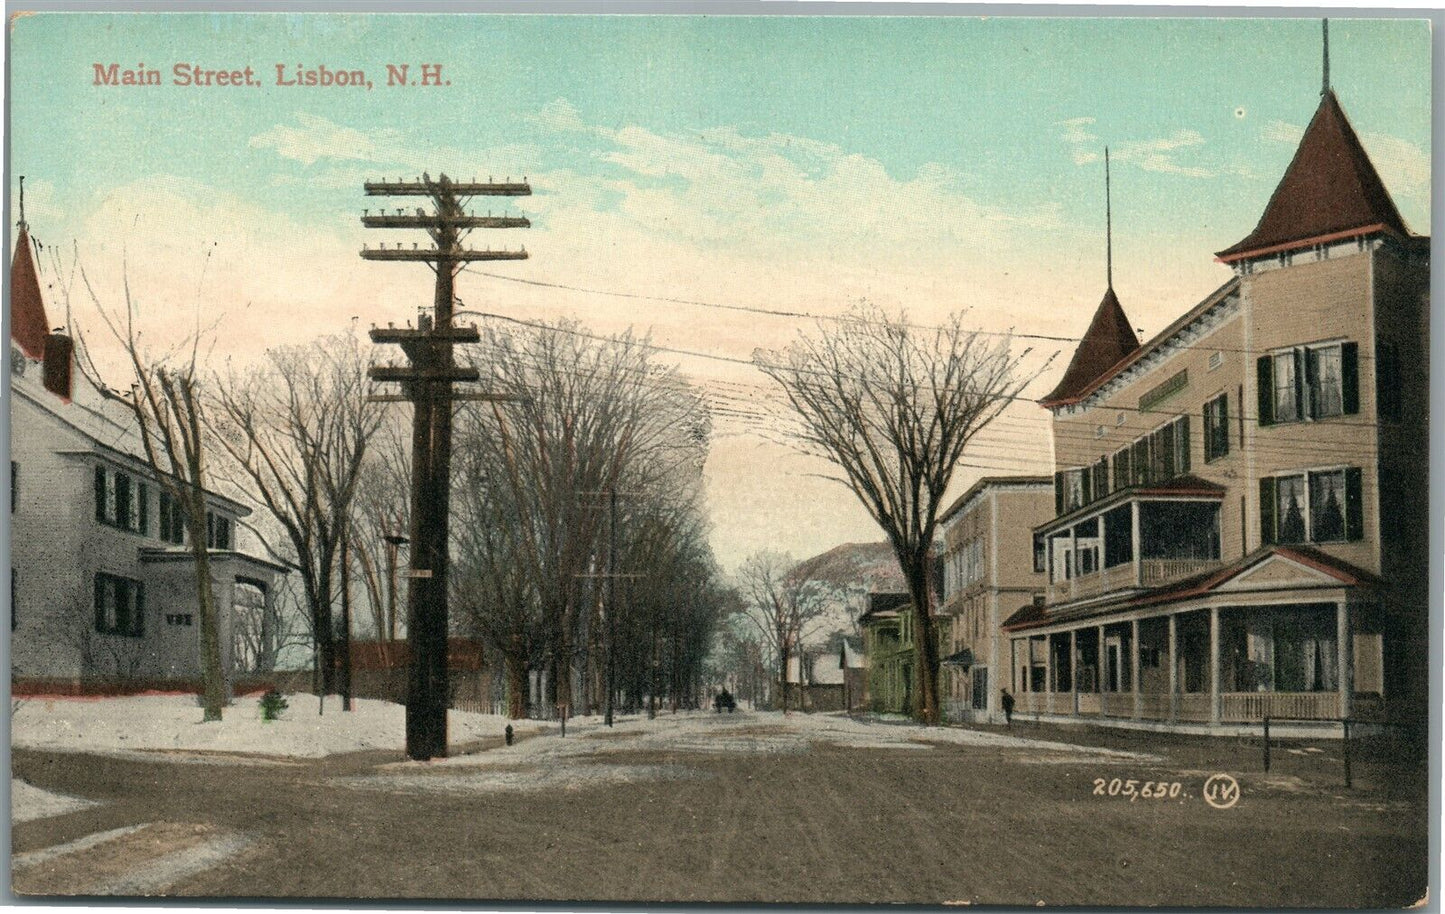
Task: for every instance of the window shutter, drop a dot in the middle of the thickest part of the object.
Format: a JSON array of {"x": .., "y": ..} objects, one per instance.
[
  {"x": 1311, "y": 360},
  {"x": 138, "y": 624},
  {"x": 1266, "y": 511},
  {"x": 100, "y": 493},
  {"x": 99, "y": 603},
  {"x": 1086, "y": 482},
  {"x": 1350, "y": 377},
  {"x": 1265, "y": 380},
  {"x": 1301, "y": 408},
  {"x": 1183, "y": 444},
  {"x": 144, "y": 496},
  {"x": 1058, "y": 494},
  {"x": 1224, "y": 426},
  {"x": 1354, "y": 505}
]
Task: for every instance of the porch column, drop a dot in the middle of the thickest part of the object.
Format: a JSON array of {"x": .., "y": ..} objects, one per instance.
[
  {"x": 1346, "y": 674},
  {"x": 1214, "y": 664},
  {"x": 1134, "y": 663},
  {"x": 1138, "y": 544},
  {"x": 1074, "y": 662},
  {"x": 1048, "y": 673},
  {"x": 1099, "y": 678},
  {"x": 1173, "y": 667}
]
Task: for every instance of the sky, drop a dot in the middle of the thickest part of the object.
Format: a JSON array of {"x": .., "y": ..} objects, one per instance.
[{"x": 927, "y": 164}]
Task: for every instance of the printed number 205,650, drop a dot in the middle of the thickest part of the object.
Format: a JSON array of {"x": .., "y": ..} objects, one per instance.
[{"x": 1133, "y": 789}]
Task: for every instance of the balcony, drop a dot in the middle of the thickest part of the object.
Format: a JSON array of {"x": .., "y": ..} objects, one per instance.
[{"x": 1132, "y": 544}]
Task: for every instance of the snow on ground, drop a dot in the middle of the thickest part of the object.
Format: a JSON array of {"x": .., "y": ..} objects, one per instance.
[
  {"x": 28, "y": 802},
  {"x": 574, "y": 776},
  {"x": 173, "y": 723}
]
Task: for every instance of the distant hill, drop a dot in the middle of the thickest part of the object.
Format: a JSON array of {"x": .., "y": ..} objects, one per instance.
[{"x": 871, "y": 567}]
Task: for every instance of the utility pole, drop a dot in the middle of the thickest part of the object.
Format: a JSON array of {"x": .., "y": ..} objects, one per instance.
[
  {"x": 610, "y": 629},
  {"x": 427, "y": 384}
]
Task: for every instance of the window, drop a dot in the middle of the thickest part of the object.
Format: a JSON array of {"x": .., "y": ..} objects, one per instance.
[
  {"x": 1120, "y": 419},
  {"x": 1121, "y": 469},
  {"x": 1215, "y": 360},
  {"x": 1216, "y": 428},
  {"x": 1286, "y": 387},
  {"x": 1101, "y": 478},
  {"x": 1168, "y": 449},
  {"x": 1322, "y": 506},
  {"x": 1041, "y": 554},
  {"x": 120, "y": 501},
  {"x": 1327, "y": 506},
  {"x": 1309, "y": 382},
  {"x": 980, "y": 688},
  {"x": 1119, "y": 536},
  {"x": 173, "y": 525},
  {"x": 218, "y": 531},
  {"x": 1323, "y": 372},
  {"x": 1069, "y": 491},
  {"x": 119, "y": 606}
]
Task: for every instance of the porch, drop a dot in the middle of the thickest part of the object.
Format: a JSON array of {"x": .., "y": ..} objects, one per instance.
[{"x": 1207, "y": 665}]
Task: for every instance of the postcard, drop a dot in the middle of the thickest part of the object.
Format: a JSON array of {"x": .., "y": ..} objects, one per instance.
[{"x": 643, "y": 459}]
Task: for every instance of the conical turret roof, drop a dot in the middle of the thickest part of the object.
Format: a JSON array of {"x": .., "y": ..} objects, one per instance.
[
  {"x": 28, "y": 326},
  {"x": 1330, "y": 191},
  {"x": 1108, "y": 341}
]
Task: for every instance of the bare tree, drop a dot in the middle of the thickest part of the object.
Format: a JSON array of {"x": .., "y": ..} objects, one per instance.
[
  {"x": 298, "y": 427},
  {"x": 165, "y": 399},
  {"x": 893, "y": 407},
  {"x": 782, "y": 604}
]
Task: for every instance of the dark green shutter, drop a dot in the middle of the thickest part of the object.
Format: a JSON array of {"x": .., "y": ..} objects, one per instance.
[
  {"x": 99, "y": 603},
  {"x": 1265, "y": 379},
  {"x": 1058, "y": 494},
  {"x": 1350, "y": 377},
  {"x": 1184, "y": 445},
  {"x": 1354, "y": 505},
  {"x": 100, "y": 493},
  {"x": 1299, "y": 384},
  {"x": 1224, "y": 426},
  {"x": 1086, "y": 482},
  {"x": 138, "y": 624},
  {"x": 1310, "y": 359},
  {"x": 144, "y": 496},
  {"x": 1266, "y": 511}
]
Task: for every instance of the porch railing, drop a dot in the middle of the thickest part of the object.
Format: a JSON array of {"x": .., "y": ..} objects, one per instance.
[
  {"x": 1154, "y": 572},
  {"x": 1238, "y": 707}
]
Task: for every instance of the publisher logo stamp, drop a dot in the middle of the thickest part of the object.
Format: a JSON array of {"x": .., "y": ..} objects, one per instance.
[{"x": 1221, "y": 791}]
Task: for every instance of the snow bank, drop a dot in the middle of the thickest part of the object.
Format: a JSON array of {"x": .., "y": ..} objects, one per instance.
[
  {"x": 173, "y": 723},
  {"x": 28, "y": 802}
]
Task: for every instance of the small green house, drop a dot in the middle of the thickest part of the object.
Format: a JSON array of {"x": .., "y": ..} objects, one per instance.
[{"x": 888, "y": 644}]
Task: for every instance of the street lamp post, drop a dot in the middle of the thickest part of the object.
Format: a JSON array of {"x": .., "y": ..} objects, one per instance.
[{"x": 394, "y": 541}]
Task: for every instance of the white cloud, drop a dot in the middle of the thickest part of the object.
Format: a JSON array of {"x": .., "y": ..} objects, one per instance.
[{"x": 1151, "y": 155}]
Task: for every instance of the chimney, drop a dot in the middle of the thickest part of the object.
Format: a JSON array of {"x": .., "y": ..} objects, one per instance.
[{"x": 59, "y": 355}]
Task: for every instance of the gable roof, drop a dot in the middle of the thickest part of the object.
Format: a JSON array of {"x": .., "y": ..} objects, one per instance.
[
  {"x": 1329, "y": 192},
  {"x": 1108, "y": 341}
]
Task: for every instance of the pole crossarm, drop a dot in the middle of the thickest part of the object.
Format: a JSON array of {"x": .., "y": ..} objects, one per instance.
[
  {"x": 424, "y": 221},
  {"x": 455, "y": 397},
  {"x": 468, "y": 334},
  {"x": 432, "y": 255},
  {"x": 608, "y": 574},
  {"x": 406, "y": 373},
  {"x": 431, "y": 188}
]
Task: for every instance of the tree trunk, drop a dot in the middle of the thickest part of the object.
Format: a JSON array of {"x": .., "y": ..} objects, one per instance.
[
  {"x": 213, "y": 677},
  {"x": 516, "y": 686},
  {"x": 346, "y": 621},
  {"x": 783, "y": 679},
  {"x": 925, "y": 639}
]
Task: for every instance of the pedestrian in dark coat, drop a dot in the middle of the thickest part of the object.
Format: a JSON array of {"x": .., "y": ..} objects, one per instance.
[{"x": 1008, "y": 708}]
